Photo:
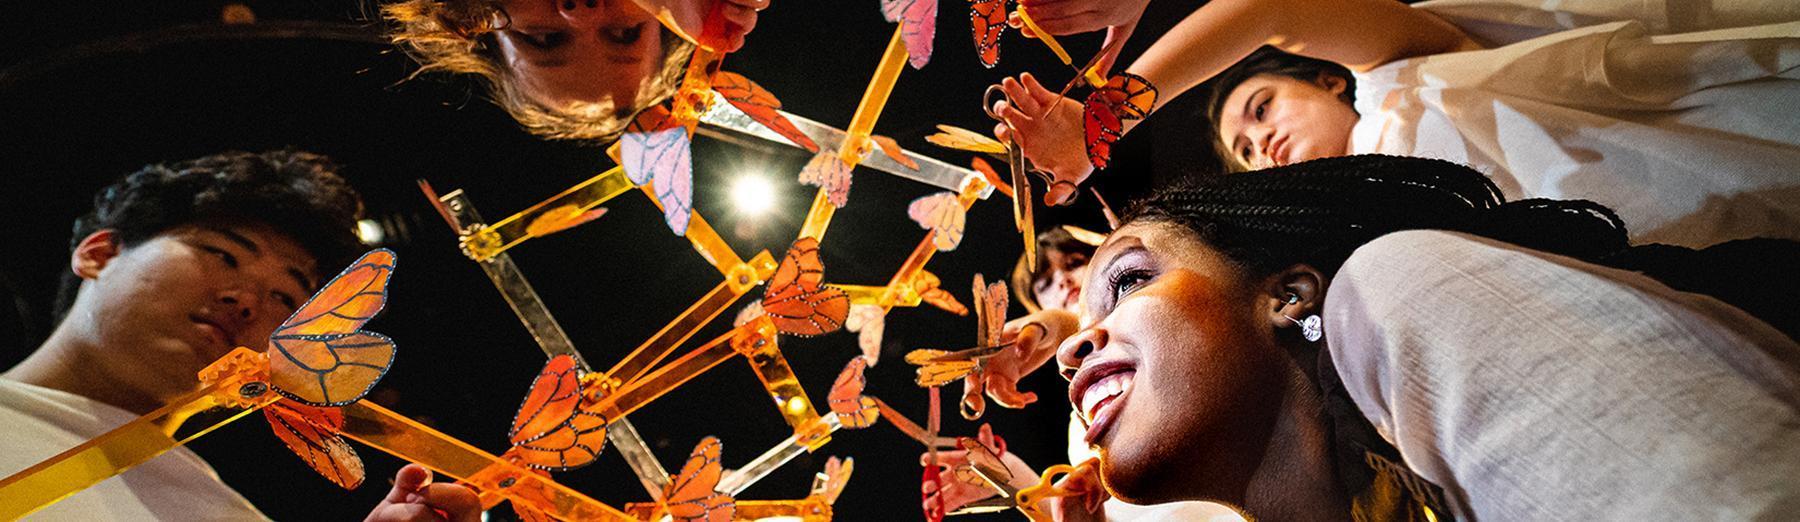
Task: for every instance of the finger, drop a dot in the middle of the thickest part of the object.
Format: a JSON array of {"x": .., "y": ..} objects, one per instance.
[
  {"x": 1059, "y": 194},
  {"x": 1006, "y": 393},
  {"x": 408, "y": 513},
  {"x": 946, "y": 459},
  {"x": 1061, "y": 18},
  {"x": 1041, "y": 95},
  {"x": 739, "y": 21},
  {"x": 1019, "y": 96},
  {"x": 757, "y": 5},
  {"x": 407, "y": 481},
  {"x": 457, "y": 502}
]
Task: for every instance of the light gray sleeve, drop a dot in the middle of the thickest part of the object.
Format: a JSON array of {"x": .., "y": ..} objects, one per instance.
[{"x": 1536, "y": 387}]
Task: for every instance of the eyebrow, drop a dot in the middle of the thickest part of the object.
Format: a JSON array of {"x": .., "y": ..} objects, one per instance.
[
  {"x": 1129, "y": 245},
  {"x": 248, "y": 244}
]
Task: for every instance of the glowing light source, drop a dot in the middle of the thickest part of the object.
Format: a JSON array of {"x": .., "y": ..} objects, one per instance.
[
  {"x": 753, "y": 194},
  {"x": 369, "y": 231}
]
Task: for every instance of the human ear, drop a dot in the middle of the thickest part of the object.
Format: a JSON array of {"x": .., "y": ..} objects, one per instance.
[
  {"x": 1295, "y": 293},
  {"x": 1334, "y": 84},
  {"x": 93, "y": 253}
]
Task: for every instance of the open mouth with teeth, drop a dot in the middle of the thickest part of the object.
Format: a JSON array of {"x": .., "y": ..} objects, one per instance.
[{"x": 1100, "y": 397}]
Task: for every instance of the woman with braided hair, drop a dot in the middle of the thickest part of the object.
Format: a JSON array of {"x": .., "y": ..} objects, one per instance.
[{"x": 1372, "y": 337}]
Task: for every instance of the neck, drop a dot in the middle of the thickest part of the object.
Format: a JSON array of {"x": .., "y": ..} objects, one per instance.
[
  {"x": 66, "y": 362},
  {"x": 1297, "y": 479}
]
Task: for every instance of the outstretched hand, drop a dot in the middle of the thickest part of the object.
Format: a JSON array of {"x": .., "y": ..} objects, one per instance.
[
  {"x": 1060, "y": 17},
  {"x": 961, "y": 485},
  {"x": 415, "y": 499},
  {"x": 1035, "y": 339},
  {"x": 1048, "y": 128}
]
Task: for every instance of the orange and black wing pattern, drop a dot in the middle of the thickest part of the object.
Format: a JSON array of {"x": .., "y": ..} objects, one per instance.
[
  {"x": 319, "y": 356},
  {"x": 990, "y": 311},
  {"x": 847, "y": 401},
  {"x": 798, "y": 301},
  {"x": 1125, "y": 97},
  {"x": 312, "y": 433},
  {"x": 932, "y": 372},
  {"x": 555, "y": 429},
  {"x": 691, "y": 495},
  {"x": 987, "y": 21},
  {"x": 761, "y": 106}
]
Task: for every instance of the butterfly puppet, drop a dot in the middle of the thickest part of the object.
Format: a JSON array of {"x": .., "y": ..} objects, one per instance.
[
  {"x": 657, "y": 146},
  {"x": 692, "y": 494},
  {"x": 319, "y": 359},
  {"x": 1123, "y": 98},
  {"x": 797, "y": 300},
  {"x": 940, "y": 367}
]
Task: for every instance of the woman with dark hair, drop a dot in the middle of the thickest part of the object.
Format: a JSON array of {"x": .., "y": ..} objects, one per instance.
[
  {"x": 1675, "y": 114},
  {"x": 1375, "y": 337}
]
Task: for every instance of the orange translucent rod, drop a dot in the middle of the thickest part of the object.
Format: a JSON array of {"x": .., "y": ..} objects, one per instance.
[
  {"x": 691, "y": 320},
  {"x": 706, "y": 241},
  {"x": 856, "y": 136},
  {"x": 387, "y": 431},
  {"x": 637, "y": 393},
  {"x": 504, "y": 234},
  {"x": 784, "y": 388},
  {"x": 1091, "y": 75},
  {"x": 809, "y": 509},
  {"x": 881, "y": 295},
  {"x": 971, "y": 191}
]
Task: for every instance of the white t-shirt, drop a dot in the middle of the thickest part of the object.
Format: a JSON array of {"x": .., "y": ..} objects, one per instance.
[
  {"x": 1536, "y": 387},
  {"x": 37, "y": 423},
  {"x": 1680, "y": 116}
]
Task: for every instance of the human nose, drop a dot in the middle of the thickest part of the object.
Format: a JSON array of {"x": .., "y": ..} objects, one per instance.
[
  {"x": 580, "y": 12},
  {"x": 1260, "y": 137},
  {"x": 240, "y": 304},
  {"x": 1077, "y": 348}
]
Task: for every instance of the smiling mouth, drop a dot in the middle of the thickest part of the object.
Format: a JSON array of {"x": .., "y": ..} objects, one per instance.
[
  {"x": 623, "y": 35},
  {"x": 1102, "y": 400},
  {"x": 214, "y": 332}
]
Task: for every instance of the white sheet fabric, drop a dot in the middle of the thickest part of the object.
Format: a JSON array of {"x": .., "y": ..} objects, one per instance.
[
  {"x": 37, "y": 423},
  {"x": 1682, "y": 115},
  {"x": 1537, "y": 387}
]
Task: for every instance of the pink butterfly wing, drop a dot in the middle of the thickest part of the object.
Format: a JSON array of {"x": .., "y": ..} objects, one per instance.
[
  {"x": 663, "y": 157},
  {"x": 918, "y": 25},
  {"x": 830, "y": 173},
  {"x": 943, "y": 214}
]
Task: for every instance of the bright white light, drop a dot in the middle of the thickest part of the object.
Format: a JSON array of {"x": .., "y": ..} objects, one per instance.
[
  {"x": 753, "y": 194},
  {"x": 369, "y": 232}
]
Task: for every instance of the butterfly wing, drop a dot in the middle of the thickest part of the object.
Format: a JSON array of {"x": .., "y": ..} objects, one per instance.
[
  {"x": 656, "y": 149},
  {"x": 893, "y": 151},
  {"x": 987, "y": 19},
  {"x": 943, "y": 214},
  {"x": 1130, "y": 95},
  {"x": 847, "y": 401},
  {"x": 797, "y": 300},
  {"x": 829, "y": 172},
  {"x": 312, "y": 433},
  {"x": 553, "y": 430},
  {"x": 930, "y": 290},
  {"x": 918, "y": 25},
  {"x": 830, "y": 483},
  {"x": 964, "y": 139},
  {"x": 870, "y": 322},
  {"x": 691, "y": 495},
  {"x": 318, "y": 356},
  {"x": 1102, "y": 128},
  {"x": 562, "y": 218},
  {"x": 937, "y": 373},
  {"x": 993, "y": 310},
  {"x": 761, "y": 106}
]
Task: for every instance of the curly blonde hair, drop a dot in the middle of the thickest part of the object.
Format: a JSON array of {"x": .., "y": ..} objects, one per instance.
[{"x": 457, "y": 37}]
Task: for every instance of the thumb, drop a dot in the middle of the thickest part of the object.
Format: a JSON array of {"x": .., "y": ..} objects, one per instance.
[
  {"x": 1116, "y": 36},
  {"x": 408, "y": 481},
  {"x": 1059, "y": 194}
]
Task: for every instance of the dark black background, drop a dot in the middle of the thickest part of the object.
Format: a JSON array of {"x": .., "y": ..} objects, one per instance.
[{"x": 92, "y": 91}]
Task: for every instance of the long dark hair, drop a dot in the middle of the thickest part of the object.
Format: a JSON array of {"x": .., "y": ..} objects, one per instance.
[
  {"x": 1267, "y": 60},
  {"x": 1318, "y": 212}
]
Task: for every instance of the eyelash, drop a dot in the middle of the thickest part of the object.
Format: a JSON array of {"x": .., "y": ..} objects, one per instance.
[
  {"x": 550, "y": 40},
  {"x": 230, "y": 260},
  {"x": 1118, "y": 282}
]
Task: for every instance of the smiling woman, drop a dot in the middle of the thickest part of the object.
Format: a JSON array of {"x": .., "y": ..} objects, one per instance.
[{"x": 1488, "y": 369}]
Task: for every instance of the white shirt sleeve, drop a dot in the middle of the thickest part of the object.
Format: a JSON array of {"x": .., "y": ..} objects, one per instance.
[{"x": 1536, "y": 387}]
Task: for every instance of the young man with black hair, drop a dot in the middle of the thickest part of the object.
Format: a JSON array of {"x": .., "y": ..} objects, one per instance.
[{"x": 176, "y": 265}]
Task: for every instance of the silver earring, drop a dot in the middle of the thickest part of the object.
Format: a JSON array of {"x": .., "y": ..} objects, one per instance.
[{"x": 1312, "y": 329}]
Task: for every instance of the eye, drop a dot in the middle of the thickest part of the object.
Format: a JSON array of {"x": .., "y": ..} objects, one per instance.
[
  {"x": 230, "y": 260},
  {"x": 546, "y": 40},
  {"x": 1126, "y": 281},
  {"x": 1261, "y": 107},
  {"x": 286, "y": 300}
]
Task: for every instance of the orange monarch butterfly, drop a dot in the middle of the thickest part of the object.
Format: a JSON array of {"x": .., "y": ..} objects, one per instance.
[
  {"x": 691, "y": 495},
  {"x": 797, "y": 300},
  {"x": 319, "y": 358},
  {"x": 556, "y": 429},
  {"x": 939, "y": 367},
  {"x": 847, "y": 401},
  {"x": 761, "y": 106},
  {"x": 893, "y": 151},
  {"x": 1125, "y": 97},
  {"x": 987, "y": 20}
]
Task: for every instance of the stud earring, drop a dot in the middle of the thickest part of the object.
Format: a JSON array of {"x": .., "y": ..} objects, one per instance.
[{"x": 1311, "y": 328}]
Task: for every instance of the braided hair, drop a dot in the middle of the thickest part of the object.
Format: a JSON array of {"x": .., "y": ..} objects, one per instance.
[{"x": 1318, "y": 212}]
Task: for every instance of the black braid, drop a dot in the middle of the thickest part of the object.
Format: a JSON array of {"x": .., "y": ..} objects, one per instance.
[{"x": 1318, "y": 212}]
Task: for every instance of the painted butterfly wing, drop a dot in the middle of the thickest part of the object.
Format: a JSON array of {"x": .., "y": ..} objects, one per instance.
[
  {"x": 943, "y": 214},
  {"x": 830, "y": 483},
  {"x": 761, "y": 106},
  {"x": 553, "y": 430},
  {"x": 993, "y": 178},
  {"x": 937, "y": 373},
  {"x": 1102, "y": 128},
  {"x": 918, "y": 25},
  {"x": 312, "y": 433},
  {"x": 990, "y": 302},
  {"x": 797, "y": 300},
  {"x": 847, "y": 401},
  {"x": 318, "y": 356},
  {"x": 829, "y": 172},
  {"x": 893, "y": 151},
  {"x": 987, "y": 19},
  {"x": 964, "y": 139},
  {"x": 691, "y": 495},
  {"x": 1131, "y": 96},
  {"x": 523, "y": 495},
  {"x": 870, "y": 323},
  {"x": 656, "y": 149},
  {"x": 930, "y": 291}
]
